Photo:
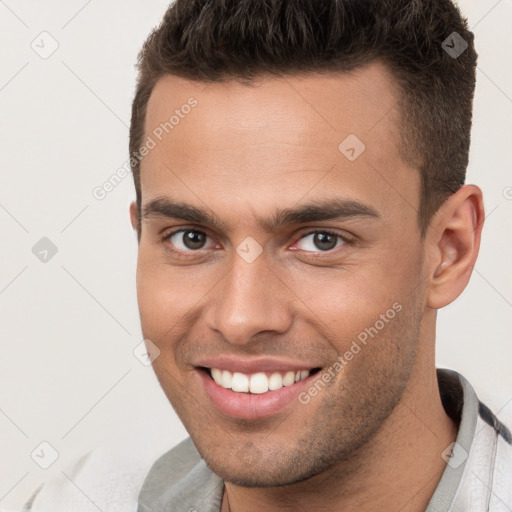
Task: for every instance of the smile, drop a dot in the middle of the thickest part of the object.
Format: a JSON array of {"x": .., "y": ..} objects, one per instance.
[
  {"x": 257, "y": 383},
  {"x": 255, "y": 394}
]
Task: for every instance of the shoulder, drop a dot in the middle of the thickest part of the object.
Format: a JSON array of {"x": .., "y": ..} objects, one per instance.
[
  {"x": 107, "y": 478},
  {"x": 181, "y": 480},
  {"x": 487, "y": 478}
]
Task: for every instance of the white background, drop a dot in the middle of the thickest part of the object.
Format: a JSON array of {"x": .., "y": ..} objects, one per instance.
[{"x": 68, "y": 327}]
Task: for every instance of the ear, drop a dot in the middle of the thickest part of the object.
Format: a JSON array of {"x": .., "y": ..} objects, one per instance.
[
  {"x": 454, "y": 241},
  {"x": 134, "y": 216}
]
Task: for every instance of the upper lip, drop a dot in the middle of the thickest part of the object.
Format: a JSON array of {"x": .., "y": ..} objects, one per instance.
[{"x": 254, "y": 365}]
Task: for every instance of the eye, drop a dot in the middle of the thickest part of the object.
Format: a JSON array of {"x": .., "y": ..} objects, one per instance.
[
  {"x": 321, "y": 241},
  {"x": 187, "y": 240}
]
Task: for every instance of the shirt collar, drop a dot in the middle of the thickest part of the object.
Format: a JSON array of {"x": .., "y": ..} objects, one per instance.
[{"x": 461, "y": 403}]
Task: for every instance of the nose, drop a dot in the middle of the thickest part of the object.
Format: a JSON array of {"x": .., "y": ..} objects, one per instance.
[{"x": 249, "y": 300}]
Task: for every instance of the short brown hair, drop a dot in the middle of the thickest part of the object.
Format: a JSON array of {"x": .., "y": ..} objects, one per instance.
[{"x": 218, "y": 40}]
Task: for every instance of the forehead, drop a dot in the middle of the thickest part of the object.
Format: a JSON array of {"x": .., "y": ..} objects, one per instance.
[{"x": 278, "y": 140}]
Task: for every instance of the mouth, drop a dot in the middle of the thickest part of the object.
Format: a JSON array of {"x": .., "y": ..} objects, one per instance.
[
  {"x": 258, "y": 383},
  {"x": 252, "y": 396}
]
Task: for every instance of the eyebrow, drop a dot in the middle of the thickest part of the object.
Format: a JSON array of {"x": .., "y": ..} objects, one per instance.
[{"x": 319, "y": 210}]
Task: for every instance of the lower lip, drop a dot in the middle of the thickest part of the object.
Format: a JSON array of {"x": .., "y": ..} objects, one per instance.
[{"x": 251, "y": 406}]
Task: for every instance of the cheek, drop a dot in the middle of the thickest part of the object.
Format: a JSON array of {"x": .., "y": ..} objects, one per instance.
[
  {"x": 158, "y": 307},
  {"x": 165, "y": 295},
  {"x": 170, "y": 304},
  {"x": 355, "y": 303},
  {"x": 161, "y": 313}
]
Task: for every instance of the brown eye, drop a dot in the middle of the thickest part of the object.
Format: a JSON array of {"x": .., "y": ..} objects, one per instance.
[
  {"x": 322, "y": 241},
  {"x": 193, "y": 239},
  {"x": 187, "y": 239}
]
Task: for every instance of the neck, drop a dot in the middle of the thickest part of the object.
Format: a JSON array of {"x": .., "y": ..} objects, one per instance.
[{"x": 401, "y": 465}]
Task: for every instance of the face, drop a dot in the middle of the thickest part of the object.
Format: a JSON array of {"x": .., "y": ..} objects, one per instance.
[{"x": 279, "y": 236}]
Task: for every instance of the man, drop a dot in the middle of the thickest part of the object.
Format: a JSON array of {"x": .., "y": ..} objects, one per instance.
[{"x": 301, "y": 215}]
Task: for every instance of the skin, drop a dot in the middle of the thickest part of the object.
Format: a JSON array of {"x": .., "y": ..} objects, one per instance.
[{"x": 374, "y": 435}]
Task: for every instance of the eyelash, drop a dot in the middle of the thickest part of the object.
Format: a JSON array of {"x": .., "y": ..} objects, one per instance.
[{"x": 191, "y": 254}]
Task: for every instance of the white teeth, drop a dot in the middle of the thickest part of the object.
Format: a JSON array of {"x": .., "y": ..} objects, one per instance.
[
  {"x": 289, "y": 379},
  {"x": 257, "y": 383},
  {"x": 217, "y": 376},
  {"x": 240, "y": 382},
  {"x": 275, "y": 382},
  {"x": 226, "y": 380}
]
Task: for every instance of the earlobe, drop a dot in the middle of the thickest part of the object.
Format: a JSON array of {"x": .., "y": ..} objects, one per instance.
[{"x": 455, "y": 238}]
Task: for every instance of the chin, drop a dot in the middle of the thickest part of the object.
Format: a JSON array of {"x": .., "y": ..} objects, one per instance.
[{"x": 278, "y": 471}]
